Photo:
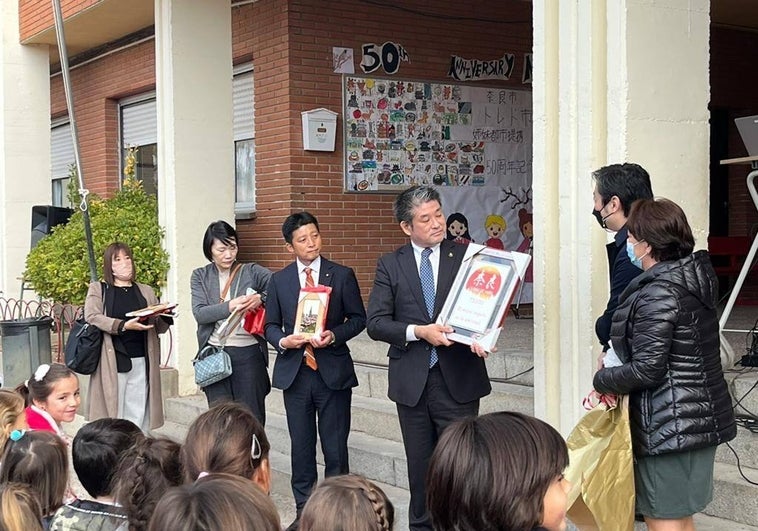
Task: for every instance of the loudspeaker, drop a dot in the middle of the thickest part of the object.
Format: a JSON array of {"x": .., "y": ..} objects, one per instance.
[{"x": 44, "y": 218}]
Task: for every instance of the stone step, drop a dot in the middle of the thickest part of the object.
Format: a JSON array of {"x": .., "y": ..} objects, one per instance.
[
  {"x": 744, "y": 389},
  {"x": 734, "y": 498},
  {"x": 378, "y": 416},
  {"x": 746, "y": 446},
  {"x": 509, "y": 362},
  {"x": 373, "y": 381}
]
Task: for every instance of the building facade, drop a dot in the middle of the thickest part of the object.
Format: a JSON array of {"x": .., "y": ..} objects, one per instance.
[{"x": 213, "y": 92}]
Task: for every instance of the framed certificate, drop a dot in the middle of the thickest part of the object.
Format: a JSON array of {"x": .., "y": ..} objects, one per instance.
[
  {"x": 313, "y": 303},
  {"x": 481, "y": 294}
]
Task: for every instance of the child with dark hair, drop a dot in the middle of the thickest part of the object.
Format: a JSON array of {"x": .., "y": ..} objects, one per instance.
[
  {"x": 216, "y": 502},
  {"x": 227, "y": 439},
  {"x": 37, "y": 459},
  {"x": 500, "y": 471},
  {"x": 347, "y": 502},
  {"x": 51, "y": 396},
  {"x": 146, "y": 471},
  {"x": 98, "y": 448},
  {"x": 19, "y": 508}
]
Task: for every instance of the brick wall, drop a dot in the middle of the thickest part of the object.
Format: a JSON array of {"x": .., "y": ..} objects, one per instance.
[
  {"x": 292, "y": 51},
  {"x": 37, "y": 15},
  {"x": 97, "y": 87}
]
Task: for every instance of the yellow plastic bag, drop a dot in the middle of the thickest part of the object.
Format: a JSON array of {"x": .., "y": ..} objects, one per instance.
[{"x": 601, "y": 469}]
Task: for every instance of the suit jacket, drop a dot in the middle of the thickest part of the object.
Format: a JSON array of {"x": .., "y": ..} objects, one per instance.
[
  {"x": 622, "y": 272},
  {"x": 397, "y": 301},
  {"x": 346, "y": 318}
]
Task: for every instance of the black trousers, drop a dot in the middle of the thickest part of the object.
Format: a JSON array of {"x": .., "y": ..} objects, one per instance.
[
  {"x": 307, "y": 398},
  {"x": 421, "y": 427},
  {"x": 248, "y": 384}
]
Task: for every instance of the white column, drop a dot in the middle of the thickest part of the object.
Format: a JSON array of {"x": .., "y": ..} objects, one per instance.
[
  {"x": 193, "y": 56},
  {"x": 24, "y": 145},
  {"x": 607, "y": 88}
]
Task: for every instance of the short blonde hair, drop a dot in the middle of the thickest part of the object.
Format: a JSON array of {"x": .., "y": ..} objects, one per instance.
[{"x": 494, "y": 219}]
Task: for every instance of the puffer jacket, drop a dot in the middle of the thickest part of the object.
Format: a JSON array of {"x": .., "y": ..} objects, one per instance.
[{"x": 665, "y": 331}]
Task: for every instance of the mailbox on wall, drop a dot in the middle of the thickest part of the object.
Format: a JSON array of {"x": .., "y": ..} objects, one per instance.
[{"x": 319, "y": 129}]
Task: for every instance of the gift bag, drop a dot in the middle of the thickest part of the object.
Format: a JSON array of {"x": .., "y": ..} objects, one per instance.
[
  {"x": 255, "y": 320},
  {"x": 601, "y": 468}
]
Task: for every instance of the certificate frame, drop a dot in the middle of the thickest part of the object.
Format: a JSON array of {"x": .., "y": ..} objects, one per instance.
[
  {"x": 481, "y": 295},
  {"x": 312, "y": 307}
]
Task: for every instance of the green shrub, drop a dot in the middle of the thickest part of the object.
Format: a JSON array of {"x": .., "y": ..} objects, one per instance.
[{"x": 58, "y": 266}]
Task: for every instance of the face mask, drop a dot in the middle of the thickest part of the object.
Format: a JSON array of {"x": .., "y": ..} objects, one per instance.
[
  {"x": 632, "y": 257},
  {"x": 599, "y": 216}
]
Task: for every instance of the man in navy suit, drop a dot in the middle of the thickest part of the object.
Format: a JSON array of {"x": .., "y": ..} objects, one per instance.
[
  {"x": 316, "y": 374},
  {"x": 432, "y": 380},
  {"x": 617, "y": 187}
]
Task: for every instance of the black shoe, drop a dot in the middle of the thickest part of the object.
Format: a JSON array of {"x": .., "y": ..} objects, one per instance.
[{"x": 294, "y": 525}]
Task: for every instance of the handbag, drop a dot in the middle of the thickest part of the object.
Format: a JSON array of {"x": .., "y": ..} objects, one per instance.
[
  {"x": 212, "y": 364},
  {"x": 255, "y": 320},
  {"x": 83, "y": 346}
]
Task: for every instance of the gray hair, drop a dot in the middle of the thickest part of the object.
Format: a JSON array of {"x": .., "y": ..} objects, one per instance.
[{"x": 410, "y": 199}]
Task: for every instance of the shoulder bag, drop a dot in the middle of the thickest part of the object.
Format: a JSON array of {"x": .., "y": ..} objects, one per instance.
[
  {"x": 213, "y": 364},
  {"x": 84, "y": 345}
]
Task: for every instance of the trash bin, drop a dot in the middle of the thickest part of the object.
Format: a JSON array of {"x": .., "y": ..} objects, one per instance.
[{"x": 26, "y": 345}]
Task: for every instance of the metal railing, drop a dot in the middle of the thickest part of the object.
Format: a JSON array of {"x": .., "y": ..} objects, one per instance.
[{"x": 63, "y": 316}]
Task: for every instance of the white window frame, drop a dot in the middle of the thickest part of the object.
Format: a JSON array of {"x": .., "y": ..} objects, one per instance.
[
  {"x": 62, "y": 155},
  {"x": 243, "y": 123},
  {"x": 145, "y": 112}
]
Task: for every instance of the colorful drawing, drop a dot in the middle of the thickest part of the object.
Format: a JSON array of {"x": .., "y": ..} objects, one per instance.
[
  {"x": 457, "y": 228},
  {"x": 495, "y": 226},
  {"x": 527, "y": 231}
]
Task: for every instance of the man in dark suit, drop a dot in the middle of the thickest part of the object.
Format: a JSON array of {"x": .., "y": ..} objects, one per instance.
[
  {"x": 432, "y": 380},
  {"x": 316, "y": 374},
  {"x": 617, "y": 186}
]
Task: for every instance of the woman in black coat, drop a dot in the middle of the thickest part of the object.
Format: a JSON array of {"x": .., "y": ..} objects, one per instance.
[{"x": 665, "y": 332}]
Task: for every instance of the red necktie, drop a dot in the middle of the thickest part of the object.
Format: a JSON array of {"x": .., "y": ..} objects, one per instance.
[{"x": 310, "y": 359}]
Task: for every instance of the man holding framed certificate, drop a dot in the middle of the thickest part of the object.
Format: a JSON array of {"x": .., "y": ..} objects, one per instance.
[
  {"x": 314, "y": 307},
  {"x": 432, "y": 380}
]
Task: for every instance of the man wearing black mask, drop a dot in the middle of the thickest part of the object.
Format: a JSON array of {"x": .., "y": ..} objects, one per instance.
[{"x": 616, "y": 187}]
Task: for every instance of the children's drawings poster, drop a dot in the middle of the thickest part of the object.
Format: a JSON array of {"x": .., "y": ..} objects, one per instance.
[
  {"x": 401, "y": 133},
  {"x": 474, "y": 143}
]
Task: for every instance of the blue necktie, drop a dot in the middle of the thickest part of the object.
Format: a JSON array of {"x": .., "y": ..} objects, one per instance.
[{"x": 427, "y": 286}]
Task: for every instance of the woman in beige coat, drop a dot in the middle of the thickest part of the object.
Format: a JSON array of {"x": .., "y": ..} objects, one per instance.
[{"x": 127, "y": 382}]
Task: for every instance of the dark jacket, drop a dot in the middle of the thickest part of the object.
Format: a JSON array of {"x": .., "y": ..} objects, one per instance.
[
  {"x": 666, "y": 332},
  {"x": 622, "y": 272},
  {"x": 345, "y": 317},
  {"x": 397, "y": 301}
]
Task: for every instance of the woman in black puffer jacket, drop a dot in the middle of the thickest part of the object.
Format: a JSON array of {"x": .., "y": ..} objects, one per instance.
[{"x": 665, "y": 332}]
